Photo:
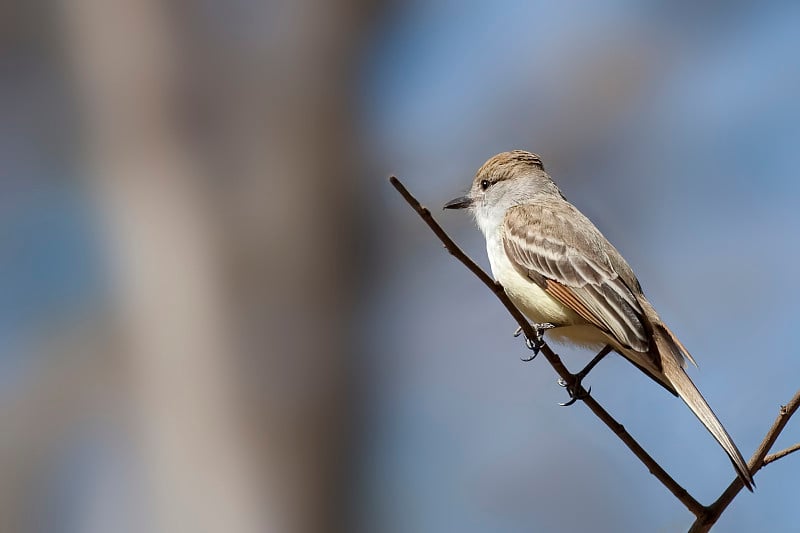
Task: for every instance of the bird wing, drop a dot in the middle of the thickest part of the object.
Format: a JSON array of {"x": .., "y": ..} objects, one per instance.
[{"x": 560, "y": 250}]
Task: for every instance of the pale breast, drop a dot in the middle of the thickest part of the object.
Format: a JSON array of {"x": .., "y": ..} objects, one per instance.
[{"x": 536, "y": 304}]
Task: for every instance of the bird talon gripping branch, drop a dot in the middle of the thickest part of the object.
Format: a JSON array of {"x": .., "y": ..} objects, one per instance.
[
  {"x": 576, "y": 393},
  {"x": 535, "y": 344}
]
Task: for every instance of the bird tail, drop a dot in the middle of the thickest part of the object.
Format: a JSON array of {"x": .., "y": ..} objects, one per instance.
[{"x": 673, "y": 356}]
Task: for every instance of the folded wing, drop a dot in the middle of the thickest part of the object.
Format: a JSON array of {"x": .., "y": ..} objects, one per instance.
[{"x": 565, "y": 255}]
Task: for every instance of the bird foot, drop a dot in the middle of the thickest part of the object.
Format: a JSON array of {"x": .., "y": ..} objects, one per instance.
[
  {"x": 535, "y": 344},
  {"x": 576, "y": 391}
]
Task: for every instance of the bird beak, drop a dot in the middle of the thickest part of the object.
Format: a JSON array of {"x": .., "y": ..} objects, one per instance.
[{"x": 459, "y": 203}]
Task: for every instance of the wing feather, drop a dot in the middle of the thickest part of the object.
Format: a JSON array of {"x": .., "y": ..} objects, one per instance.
[{"x": 564, "y": 253}]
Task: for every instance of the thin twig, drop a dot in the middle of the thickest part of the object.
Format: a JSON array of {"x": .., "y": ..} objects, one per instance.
[
  {"x": 673, "y": 486},
  {"x": 756, "y": 463},
  {"x": 781, "y": 454}
]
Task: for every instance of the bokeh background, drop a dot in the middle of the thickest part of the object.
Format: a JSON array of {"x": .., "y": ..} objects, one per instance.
[{"x": 216, "y": 314}]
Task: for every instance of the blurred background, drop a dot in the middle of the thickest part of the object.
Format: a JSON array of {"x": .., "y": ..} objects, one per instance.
[{"x": 217, "y": 315}]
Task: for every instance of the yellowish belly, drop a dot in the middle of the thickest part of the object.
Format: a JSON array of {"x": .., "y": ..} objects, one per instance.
[
  {"x": 536, "y": 304},
  {"x": 540, "y": 307}
]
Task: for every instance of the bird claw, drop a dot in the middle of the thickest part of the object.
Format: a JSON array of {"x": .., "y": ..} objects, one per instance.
[
  {"x": 574, "y": 397},
  {"x": 576, "y": 391},
  {"x": 535, "y": 344}
]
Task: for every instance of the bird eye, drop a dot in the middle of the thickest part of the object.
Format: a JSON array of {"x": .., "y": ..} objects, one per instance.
[{"x": 485, "y": 184}]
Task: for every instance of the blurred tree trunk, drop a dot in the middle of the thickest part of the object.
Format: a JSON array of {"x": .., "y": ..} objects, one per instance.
[{"x": 221, "y": 156}]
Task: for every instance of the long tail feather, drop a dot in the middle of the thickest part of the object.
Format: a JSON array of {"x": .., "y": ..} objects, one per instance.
[{"x": 672, "y": 358}]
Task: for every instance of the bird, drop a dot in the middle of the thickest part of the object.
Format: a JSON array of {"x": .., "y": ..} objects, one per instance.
[{"x": 563, "y": 274}]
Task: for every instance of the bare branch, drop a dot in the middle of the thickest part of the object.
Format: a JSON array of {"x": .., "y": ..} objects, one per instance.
[
  {"x": 706, "y": 520},
  {"x": 781, "y": 454},
  {"x": 673, "y": 486}
]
